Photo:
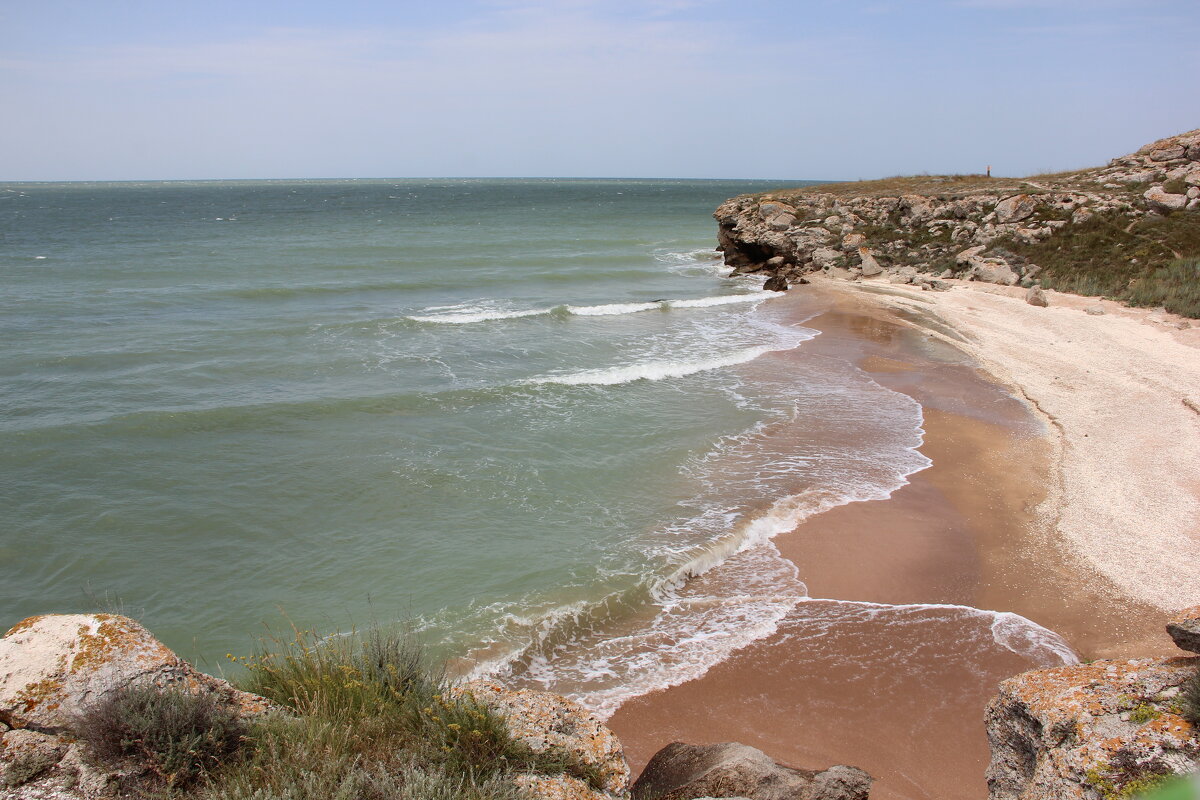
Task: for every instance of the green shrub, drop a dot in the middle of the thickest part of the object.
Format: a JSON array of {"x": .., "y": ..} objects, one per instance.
[{"x": 175, "y": 736}]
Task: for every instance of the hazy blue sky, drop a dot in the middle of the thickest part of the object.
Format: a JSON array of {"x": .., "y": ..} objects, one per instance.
[{"x": 137, "y": 89}]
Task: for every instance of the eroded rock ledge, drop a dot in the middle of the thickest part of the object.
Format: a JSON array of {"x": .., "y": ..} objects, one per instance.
[
  {"x": 1107, "y": 730},
  {"x": 918, "y": 230}
]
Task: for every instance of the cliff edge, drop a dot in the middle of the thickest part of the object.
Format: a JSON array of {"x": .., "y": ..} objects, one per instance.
[{"x": 1106, "y": 230}]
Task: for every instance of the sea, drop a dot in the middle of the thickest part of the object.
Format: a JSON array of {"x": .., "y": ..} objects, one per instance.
[{"x": 515, "y": 417}]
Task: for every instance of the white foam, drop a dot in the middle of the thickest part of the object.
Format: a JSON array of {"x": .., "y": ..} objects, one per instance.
[
  {"x": 468, "y": 314},
  {"x": 650, "y": 370},
  {"x": 725, "y": 299},
  {"x": 613, "y": 309},
  {"x": 468, "y": 317}
]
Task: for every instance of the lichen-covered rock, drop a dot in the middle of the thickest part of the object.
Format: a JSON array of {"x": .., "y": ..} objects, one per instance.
[
  {"x": 53, "y": 667},
  {"x": 548, "y": 722},
  {"x": 1015, "y": 209},
  {"x": 557, "y": 787},
  {"x": 25, "y": 755},
  {"x": 1089, "y": 730},
  {"x": 685, "y": 772},
  {"x": 1184, "y": 629},
  {"x": 1162, "y": 200}
]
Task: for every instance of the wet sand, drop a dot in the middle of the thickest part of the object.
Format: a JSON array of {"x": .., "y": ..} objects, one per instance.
[{"x": 899, "y": 689}]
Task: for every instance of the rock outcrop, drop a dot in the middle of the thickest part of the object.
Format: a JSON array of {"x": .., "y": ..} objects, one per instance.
[
  {"x": 1184, "y": 629},
  {"x": 551, "y": 723},
  {"x": 1098, "y": 731},
  {"x": 686, "y": 772},
  {"x": 53, "y": 667},
  {"x": 907, "y": 229}
]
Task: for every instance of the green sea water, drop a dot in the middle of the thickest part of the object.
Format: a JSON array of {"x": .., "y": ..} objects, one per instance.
[{"x": 510, "y": 413}]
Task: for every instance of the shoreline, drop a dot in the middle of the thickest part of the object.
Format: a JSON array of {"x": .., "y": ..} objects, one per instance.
[{"x": 977, "y": 528}]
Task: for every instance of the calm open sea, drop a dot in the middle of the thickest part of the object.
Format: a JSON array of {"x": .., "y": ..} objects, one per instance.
[{"x": 516, "y": 413}]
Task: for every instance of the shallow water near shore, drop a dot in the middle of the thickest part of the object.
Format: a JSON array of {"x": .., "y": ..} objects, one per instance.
[{"x": 520, "y": 417}]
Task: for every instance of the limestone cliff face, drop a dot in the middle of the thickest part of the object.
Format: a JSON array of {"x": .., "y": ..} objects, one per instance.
[{"x": 913, "y": 228}]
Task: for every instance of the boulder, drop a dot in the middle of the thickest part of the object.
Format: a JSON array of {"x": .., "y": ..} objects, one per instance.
[
  {"x": 1089, "y": 731},
  {"x": 25, "y": 755},
  {"x": 53, "y": 667},
  {"x": 684, "y": 771},
  {"x": 1036, "y": 297},
  {"x": 1184, "y": 629},
  {"x": 1160, "y": 200},
  {"x": 853, "y": 241},
  {"x": 1168, "y": 153},
  {"x": 776, "y": 283},
  {"x": 870, "y": 267},
  {"x": 557, "y": 787},
  {"x": 915, "y": 209},
  {"x": 825, "y": 257},
  {"x": 551, "y": 723},
  {"x": 1015, "y": 209}
]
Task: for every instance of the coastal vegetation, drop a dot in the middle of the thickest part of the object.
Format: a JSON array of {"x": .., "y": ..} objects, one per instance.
[{"x": 367, "y": 716}]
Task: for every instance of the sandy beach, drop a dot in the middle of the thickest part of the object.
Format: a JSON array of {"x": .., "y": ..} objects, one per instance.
[{"x": 1063, "y": 489}]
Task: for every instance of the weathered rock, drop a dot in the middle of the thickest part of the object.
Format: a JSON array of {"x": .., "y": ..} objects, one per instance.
[
  {"x": 682, "y": 772},
  {"x": 776, "y": 283},
  {"x": 853, "y": 241},
  {"x": 1088, "y": 730},
  {"x": 1095, "y": 311},
  {"x": 915, "y": 209},
  {"x": 1015, "y": 209},
  {"x": 1184, "y": 629},
  {"x": 993, "y": 270},
  {"x": 24, "y": 755},
  {"x": 1036, "y": 297},
  {"x": 867, "y": 263},
  {"x": 1168, "y": 153},
  {"x": 557, "y": 787},
  {"x": 1161, "y": 200},
  {"x": 53, "y": 667},
  {"x": 550, "y": 723},
  {"x": 825, "y": 257}
]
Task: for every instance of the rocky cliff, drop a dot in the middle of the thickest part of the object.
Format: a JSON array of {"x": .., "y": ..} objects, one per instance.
[
  {"x": 1107, "y": 730},
  {"x": 920, "y": 229}
]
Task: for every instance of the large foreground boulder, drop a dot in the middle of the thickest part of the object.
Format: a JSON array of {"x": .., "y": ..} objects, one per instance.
[
  {"x": 1091, "y": 731},
  {"x": 55, "y": 666},
  {"x": 684, "y": 772}
]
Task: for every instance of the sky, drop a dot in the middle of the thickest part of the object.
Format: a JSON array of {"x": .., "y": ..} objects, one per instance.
[{"x": 837, "y": 89}]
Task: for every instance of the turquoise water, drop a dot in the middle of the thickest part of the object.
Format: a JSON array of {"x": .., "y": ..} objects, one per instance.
[{"x": 517, "y": 414}]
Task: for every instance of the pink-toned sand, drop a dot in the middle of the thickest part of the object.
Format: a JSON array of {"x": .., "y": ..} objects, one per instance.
[{"x": 1064, "y": 489}]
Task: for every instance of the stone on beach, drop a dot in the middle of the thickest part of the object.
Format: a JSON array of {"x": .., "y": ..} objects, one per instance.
[
  {"x": 1184, "y": 628},
  {"x": 685, "y": 772}
]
